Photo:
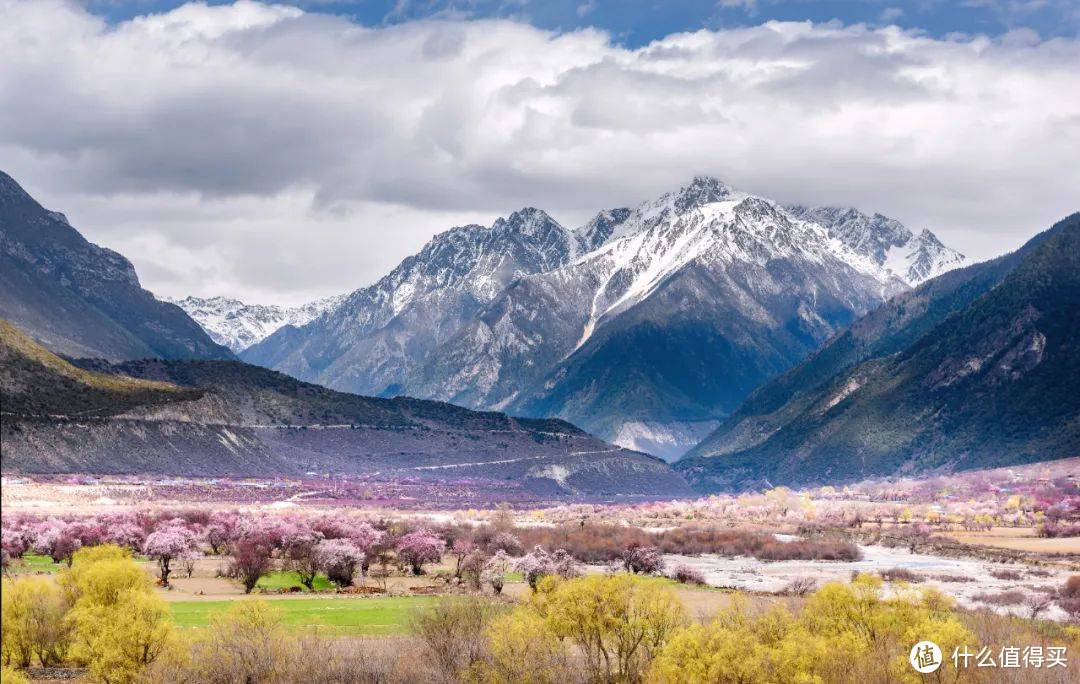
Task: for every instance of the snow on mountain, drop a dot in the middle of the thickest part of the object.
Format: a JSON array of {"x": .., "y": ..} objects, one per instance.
[
  {"x": 237, "y": 325},
  {"x": 380, "y": 335},
  {"x": 646, "y": 325},
  {"x": 597, "y": 231},
  {"x": 709, "y": 220},
  {"x": 914, "y": 258}
]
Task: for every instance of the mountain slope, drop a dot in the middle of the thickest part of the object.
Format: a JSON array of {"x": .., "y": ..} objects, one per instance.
[
  {"x": 80, "y": 299},
  {"x": 37, "y": 382},
  {"x": 973, "y": 369},
  {"x": 236, "y": 325},
  {"x": 228, "y": 418}
]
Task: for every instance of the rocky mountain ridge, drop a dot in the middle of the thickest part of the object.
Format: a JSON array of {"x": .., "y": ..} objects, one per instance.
[
  {"x": 530, "y": 317},
  {"x": 238, "y": 325},
  {"x": 80, "y": 299}
]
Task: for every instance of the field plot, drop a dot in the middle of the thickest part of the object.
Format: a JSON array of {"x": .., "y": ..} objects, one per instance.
[
  {"x": 1018, "y": 539},
  {"x": 383, "y": 616}
]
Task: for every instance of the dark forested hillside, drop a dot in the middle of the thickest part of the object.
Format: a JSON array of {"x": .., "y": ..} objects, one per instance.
[{"x": 205, "y": 417}]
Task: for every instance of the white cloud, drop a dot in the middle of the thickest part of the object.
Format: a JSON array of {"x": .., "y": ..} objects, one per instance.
[
  {"x": 891, "y": 14},
  {"x": 277, "y": 154}
]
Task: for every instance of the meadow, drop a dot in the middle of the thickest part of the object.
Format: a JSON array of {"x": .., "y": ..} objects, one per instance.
[
  {"x": 989, "y": 560},
  {"x": 376, "y": 616}
]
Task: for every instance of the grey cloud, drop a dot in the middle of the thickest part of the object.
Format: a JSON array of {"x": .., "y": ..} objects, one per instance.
[{"x": 260, "y": 149}]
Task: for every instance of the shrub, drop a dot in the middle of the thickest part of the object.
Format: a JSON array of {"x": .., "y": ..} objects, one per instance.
[
  {"x": 454, "y": 633},
  {"x": 805, "y": 549},
  {"x": 953, "y": 578},
  {"x": 246, "y": 643},
  {"x": 1072, "y": 607},
  {"x": 900, "y": 575},
  {"x": 604, "y": 543},
  {"x": 800, "y": 586},
  {"x": 643, "y": 559},
  {"x": 1072, "y": 587},
  {"x": 1006, "y": 574},
  {"x": 1059, "y": 529},
  {"x": 686, "y": 574},
  {"x": 1013, "y": 597}
]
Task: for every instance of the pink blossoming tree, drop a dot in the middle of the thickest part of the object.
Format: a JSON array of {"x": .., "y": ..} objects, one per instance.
[
  {"x": 419, "y": 547},
  {"x": 168, "y": 543}
]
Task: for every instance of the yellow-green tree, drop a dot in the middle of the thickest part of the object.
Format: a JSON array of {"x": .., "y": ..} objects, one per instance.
[
  {"x": 617, "y": 622},
  {"x": 119, "y": 625},
  {"x": 72, "y": 581},
  {"x": 774, "y": 647},
  {"x": 33, "y": 622},
  {"x": 523, "y": 649},
  {"x": 844, "y": 633}
]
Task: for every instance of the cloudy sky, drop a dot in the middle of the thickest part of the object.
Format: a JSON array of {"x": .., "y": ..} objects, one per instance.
[{"x": 283, "y": 152}]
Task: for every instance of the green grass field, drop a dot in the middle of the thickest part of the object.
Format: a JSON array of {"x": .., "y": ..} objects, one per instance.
[
  {"x": 32, "y": 563},
  {"x": 380, "y": 616},
  {"x": 289, "y": 579}
]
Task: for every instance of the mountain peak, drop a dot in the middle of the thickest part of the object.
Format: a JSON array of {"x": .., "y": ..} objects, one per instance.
[
  {"x": 238, "y": 325},
  {"x": 927, "y": 238},
  {"x": 11, "y": 192},
  {"x": 701, "y": 190},
  {"x": 601, "y": 227},
  {"x": 885, "y": 240},
  {"x": 527, "y": 221}
]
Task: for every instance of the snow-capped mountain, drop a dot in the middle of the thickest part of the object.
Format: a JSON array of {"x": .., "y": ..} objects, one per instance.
[
  {"x": 645, "y": 325},
  {"x": 694, "y": 299},
  {"x": 379, "y": 336},
  {"x": 237, "y": 325},
  {"x": 914, "y": 258}
]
